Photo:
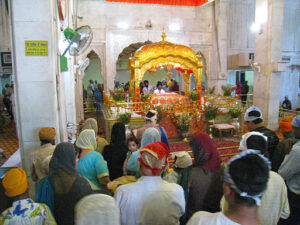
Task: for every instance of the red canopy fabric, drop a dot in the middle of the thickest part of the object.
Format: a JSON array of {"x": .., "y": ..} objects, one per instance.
[{"x": 165, "y": 2}]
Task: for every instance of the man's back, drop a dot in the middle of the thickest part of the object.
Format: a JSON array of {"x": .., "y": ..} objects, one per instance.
[
  {"x": 38, "y": 157},
  {"x": 273, "y": 140},
  {"x": 27, "y": 212},
  {"x": 274, "y": 202},
  {"x": 150, "y": 201},
  {"x": 206, "y": 218}
]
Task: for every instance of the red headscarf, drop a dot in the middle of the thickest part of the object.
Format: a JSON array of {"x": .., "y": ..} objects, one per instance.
[{"x": 205, "y": 152}]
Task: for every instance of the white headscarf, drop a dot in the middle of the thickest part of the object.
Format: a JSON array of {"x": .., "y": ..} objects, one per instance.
[
  {"x": 97, "y": 209},
  {"x": 91, "y": 123},
  {"x": 87, "y": 140},
  {"x": 243, "y": 143},
  {"x": 183, "y": 160},
  {"x": 251, "y": 118}
]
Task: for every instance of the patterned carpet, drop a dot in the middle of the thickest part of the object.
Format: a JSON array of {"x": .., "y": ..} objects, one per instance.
[
  {"x": 8, "y": 142},
  {"x": 226, "y": 148}
]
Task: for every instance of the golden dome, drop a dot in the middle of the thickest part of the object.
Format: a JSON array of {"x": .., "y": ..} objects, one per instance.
[{"x": 164, "y": 49}]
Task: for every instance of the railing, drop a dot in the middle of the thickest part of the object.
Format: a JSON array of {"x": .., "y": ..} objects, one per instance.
[{"x": 286, "y": 112}]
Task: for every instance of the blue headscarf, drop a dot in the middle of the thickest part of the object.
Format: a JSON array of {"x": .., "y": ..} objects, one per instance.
[
  {"x": 296, "y": 121},
  {"x": 150, "y": 135}
]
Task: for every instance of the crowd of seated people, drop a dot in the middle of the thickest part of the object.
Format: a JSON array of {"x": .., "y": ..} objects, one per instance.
[{"x": 127, "y": 181}]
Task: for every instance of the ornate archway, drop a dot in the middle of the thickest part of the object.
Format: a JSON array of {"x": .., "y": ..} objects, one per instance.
[{"x": 165, "y": 53}]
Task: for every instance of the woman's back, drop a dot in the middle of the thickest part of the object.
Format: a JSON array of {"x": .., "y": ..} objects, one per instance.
[
  {"x": 115, "y": 156},
  {"x": 205, "y": 191},
  {"x": 65, "y": 202},
  {"x": 92, "y": 166}
]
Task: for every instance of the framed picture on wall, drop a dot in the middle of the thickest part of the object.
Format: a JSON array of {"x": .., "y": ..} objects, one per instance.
[{"x": 6, "y": 59}]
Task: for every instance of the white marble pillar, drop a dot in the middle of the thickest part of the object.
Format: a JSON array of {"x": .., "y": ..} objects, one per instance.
[
  {"x": 35, "y": 82},
  {"x": 268, "y": 50},
  {"x": 219, "y": 69}
]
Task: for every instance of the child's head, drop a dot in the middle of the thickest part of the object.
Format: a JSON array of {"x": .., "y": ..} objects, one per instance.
[{"x": 132, "y": 144}]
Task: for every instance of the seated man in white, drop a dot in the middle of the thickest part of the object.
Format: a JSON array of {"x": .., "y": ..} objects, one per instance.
[
  {"x": 274, "y": 202},
  {"x": 159, "y": 88},
  {"x": 245, "y": 180},
  {"x": 151, "y": 200}
]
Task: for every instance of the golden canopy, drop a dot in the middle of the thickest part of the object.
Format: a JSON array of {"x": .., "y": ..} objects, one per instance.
[{"x": 164, "y": 53}]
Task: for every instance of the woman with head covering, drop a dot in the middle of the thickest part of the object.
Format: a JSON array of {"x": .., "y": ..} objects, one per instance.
[
  {"x": 91, "y": 123},
  {"x": 97, "y": 209},
  {"x": 115, "y": 153},
  {"x": 91, "y": 163},
  {"x": 150, "y": 135},
  {"x": 205, "y": 185},
  {"x": 68, "y": 185},
  {"x": 150, "y": 121}
]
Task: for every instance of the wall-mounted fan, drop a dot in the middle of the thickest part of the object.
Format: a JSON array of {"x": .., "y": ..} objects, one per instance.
[
  {"x": 79, "y": 39},
  {"x": 83, "y": 64}
]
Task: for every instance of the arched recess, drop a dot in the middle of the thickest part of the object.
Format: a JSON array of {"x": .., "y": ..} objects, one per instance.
[
  {"x": 122, "y": 70},
  {"x": 80, "y": 76},
  {"x": 165, "y": 53}
]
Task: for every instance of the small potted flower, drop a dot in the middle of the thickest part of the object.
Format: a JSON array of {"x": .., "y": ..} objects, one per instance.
[
  {"x": 124, "y": 117},
  {"x": 235, "y": 113},
  {"x": 212, "y": 90},
  {"x": 160, "y": 113},
  {"x": 210, "y": 113},
  {"x": 183, "y": 123},
  {"x": 227, "y": 90},
  {"x": 194, "y": 95},
  {"x": 145, "y": 97}
]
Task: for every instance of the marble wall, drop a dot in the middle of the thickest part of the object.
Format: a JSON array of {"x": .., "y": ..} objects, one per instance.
[{"x": 196, "y": 29}]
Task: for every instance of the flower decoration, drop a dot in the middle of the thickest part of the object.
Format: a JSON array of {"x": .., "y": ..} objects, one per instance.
[
  {"x": 210, "y": 111},
  {"x": 118, "y": 94},
  {"x": 183, "y": 121},
  {"x": 212, "y": 90},
  {"x": 235, "y": 112},
  {"x": 124, "y": 117},
  {"x": 194, "y": 95},
  {"x": 227, "y": 90},
  {"x": 160, "y": 113},
  {"x": 145, "y": 97}
]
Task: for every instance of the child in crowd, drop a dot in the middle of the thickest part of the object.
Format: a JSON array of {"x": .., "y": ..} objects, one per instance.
[{"x": 132, "y": 144}]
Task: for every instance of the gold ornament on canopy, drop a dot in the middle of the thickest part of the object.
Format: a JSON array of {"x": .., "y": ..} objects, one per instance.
[{"x": 164, "y": 53}]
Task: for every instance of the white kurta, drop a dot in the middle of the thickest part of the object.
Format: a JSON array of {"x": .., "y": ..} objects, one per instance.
[
  {"x": 150, "y": 201},
  {"x": 206, "y": 218},
  {"x": 161, "y": 91}
]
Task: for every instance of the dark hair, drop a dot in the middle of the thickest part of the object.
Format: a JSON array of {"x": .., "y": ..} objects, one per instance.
[
  {"x": 158, "y": 83},
  {"x": 256, "y": 114},
  {"x": 44, "y": 142},
  {"x": 257, "y": 142},
  {"x": 132, "y": 138},
  {"x": 146, "y": 81},
  {"x": 118, "y": 135},
  {"x": 150, "y": 114},
  {"x": 250, "y": 174}
]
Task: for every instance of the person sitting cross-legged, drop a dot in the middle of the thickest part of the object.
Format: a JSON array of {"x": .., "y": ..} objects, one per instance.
[
  {"x": 245, "y": 180},
  {"x": 24, "y": 210},
  {"x": 151, "y": 200}
]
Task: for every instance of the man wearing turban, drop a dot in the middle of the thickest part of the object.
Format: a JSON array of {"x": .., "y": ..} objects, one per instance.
[
  {"x": 290, "y": 171},
  {"x": 47, "y": 138},
  {"x": 285, "y": 126},
  {"x": 139, "y": 201},
  {"x": 23, "y": 210}
]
